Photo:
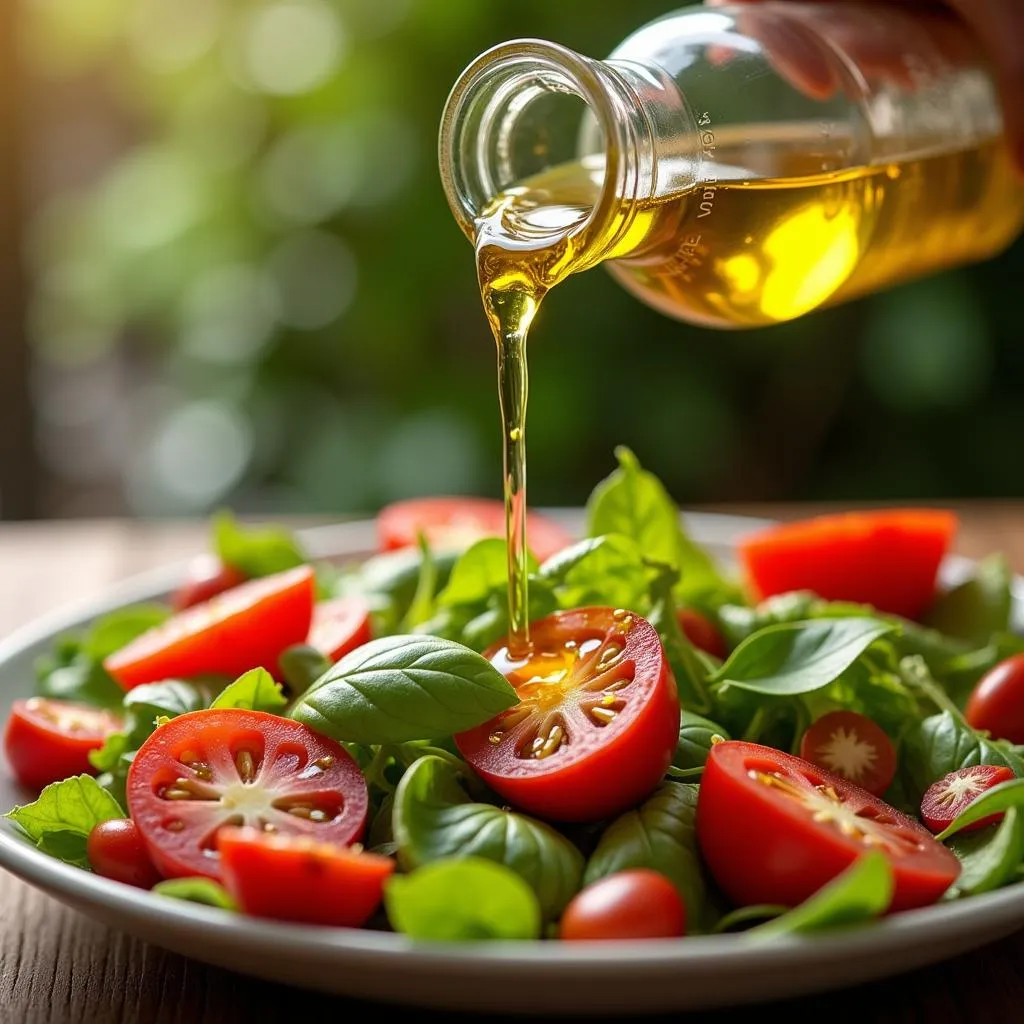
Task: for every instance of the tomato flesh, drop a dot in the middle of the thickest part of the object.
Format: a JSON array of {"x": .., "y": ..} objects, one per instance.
[
  {"x": 207, "y": 769},
  {"x": 997, "y": 702},
  {"x": 850, "y": 745},
  {"x": 888, "y": 558},
  {"x": 296, "y": 878},
  {"x": 774, "y": 828},
  {"x": 702, "y": 633},
  {"x": 597, "y": 722},
  {"x": 47, "y": 740},
  {"x": 116, "y": 850},
  {"x": 245, "y": 627},
  {"x": 459, "y": 522},
  {"x": 340, "y": 626},
  {"x": 206, "y": 577},
  {"x": 944, "y": 800},
  {"x": 635, "y": 904}
]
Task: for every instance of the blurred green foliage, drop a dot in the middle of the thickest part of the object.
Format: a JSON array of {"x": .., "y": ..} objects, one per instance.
[{"x": 271, "y": 257}]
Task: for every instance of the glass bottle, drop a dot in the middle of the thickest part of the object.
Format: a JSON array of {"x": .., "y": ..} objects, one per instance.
[{"x": 739, "y": 166}]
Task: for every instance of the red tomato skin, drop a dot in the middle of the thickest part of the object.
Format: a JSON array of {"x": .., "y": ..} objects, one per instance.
[
  {"x": 40, "y": 752},
  {"x": 887, "y": 558},
  {"x": 634, "y": 904},
  {"x": 465, "y": 520},
  {"x": 880, "y": 775},
  {"x": 246, "y": 627},
  {"x": 997, "y": 702},
  {"x": 937, "y": 817},
  {"x": 765, "y": 848},
  {"x": 289, "y": 879},
  {"x": 612, "y": 777},
  {"x": 702, "y": 633},
  {"x": 206, "y": 577},
  {"x": 340, "y": 626},
  {"x": 116, "y": 850}
]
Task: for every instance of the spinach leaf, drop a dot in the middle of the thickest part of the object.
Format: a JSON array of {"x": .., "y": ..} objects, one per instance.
[
  {"x": 660, "y": 834},
  {"x": 607, "y": 570},
  {"x": 118, "y": 629},
  {"x": 254, "y": 691},
  {"x": 301, "y": 666},
  {"x": 978, "y": 607},
  {"x": 735, "y": 920},
  {"x": 990, "y": 857},
  {"x": 1003, "y": 797},
  {"x": 862, "y": 892},
  {"x": 798, "y": 657},
  {"x": 197, "y": 890},
  {"x": 60, "y": 820},
  {"x": 255, "y": 551},
  {"x": 696, "y": 738},
  {"x": 462, "y": 900},
  {"x": 434, "y": 819},
  {"x": 401, "y": 688}
]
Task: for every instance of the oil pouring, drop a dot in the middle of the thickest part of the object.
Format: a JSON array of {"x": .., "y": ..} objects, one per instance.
[{"x": 732, "y": 167}]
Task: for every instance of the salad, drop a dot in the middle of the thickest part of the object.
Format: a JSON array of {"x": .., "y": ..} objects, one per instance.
[{"x": 825, "y": 738}]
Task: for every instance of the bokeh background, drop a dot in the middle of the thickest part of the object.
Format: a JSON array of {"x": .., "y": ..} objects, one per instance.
[{"x": 229, "y": 276}]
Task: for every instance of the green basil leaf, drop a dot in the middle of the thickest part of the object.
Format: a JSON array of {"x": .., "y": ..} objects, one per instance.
[
  {"x": 480, "y": 572},
  {"x": 118, "y": 629},
  {"x": 861, "y": 893},
  {"x": 424, "y": 599},
  {"x": 108, "y": 757},
  {"x": 255, "y": 551},
  {"x": 798, "y": 657},
  {"x": 434, "y": 819},
  {"x": 661, "y": 835},
  {"x": 197, "y": 890},
  {"x": 401, "y": 688},
  {"x": 389, "y": 581},
  {"x": 462, "y": 900},
  {"x": 79, "y": 679},
  {"x": 989, "y": 857},
  {"x": 735, "y": 920},
  {"x": 254, "y": 691},
  {"x": 301, "y": 666},
  {"x": 978, "y": 607},
  {"x": 1003, "y": 797},
  {"x": 607, "y": 570},
  {"x": 60, "y": 819},
  {"x": 696, "y": 736}
]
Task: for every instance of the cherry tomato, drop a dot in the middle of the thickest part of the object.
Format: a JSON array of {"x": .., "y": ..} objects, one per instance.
[
  {"x": 458, "y": 522},
  {"x": 297, "y": 878},
  {"x": 946, "y": 799},
  {"x": 340, "y": 626},
  {"x": 48, "y": 740},
  {"x": 116, "y": 850},
  {"x": 206, "y": 769},
  {"x": 774, "y": 829},
  {"x": 635, "y": 904},
  {"x": 246, "y": 627},
  {"x": 853, "y": 747},
  {"x": 997, "y": 702},
  {"x": 206, "y": 577},
  {"x": 702, "y": 632},
  {"x": 597, "y": 722}
]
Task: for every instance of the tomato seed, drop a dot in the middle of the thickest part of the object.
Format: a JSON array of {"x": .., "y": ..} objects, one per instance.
[
  {"x": 245, "y": 765},
  {"x": 496, "y": 737},
  {"x": 325, "y": 762},
  {"x": 608, "y": 700}
]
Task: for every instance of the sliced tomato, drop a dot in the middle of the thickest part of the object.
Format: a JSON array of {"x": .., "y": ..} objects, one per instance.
[
  {"x": 243, "y": 628},
  {"x": 116, "y": 850},
  {"x": 459, "y": 522},
  {"x": 206, "y": 577},
  {"x": 702, "y": 632},
  {"x": 852, "y": 746},
  {"x": 597, "y": 722},
  {"x": 207, "y": 769},
  {"x": 888, "y": 558},
  {"x": 774, "y": 828},
  {"x": 340, "y": 626},
  {"x": 944, "y": 800},
  {"x": 296, "y": 878},
  {"x": 48, "y": 740},
  {"x": 997, "y": 702}
]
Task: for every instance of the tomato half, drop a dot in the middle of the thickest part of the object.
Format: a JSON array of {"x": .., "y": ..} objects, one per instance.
[
  {"x": 459, "y": 522},
  {"x": 702, "y": 632},
  {"x": 206, "y": 577},
  {"x": 48, "y": 740},
  {"x": 997, "y": 702},
  {"x": 888, "y": 558},
  {"x": 852, "y": 746},
  {"x": 597, "y": 722},
  {"x": 243, "y": 628},
  {"x": 944, "y": 800},
  {"x": 295, "y": 878},
  {"x": 340, "y": 626},
  {"x": 207, "y": 769},
  {"x": 635, "y": 904},
  {"x": 116, "y": 850},
  {"x": 774, "y": 828}
]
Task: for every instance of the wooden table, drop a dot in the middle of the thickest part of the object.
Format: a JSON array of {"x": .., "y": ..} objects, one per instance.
[{"x": 58, "y": 966}]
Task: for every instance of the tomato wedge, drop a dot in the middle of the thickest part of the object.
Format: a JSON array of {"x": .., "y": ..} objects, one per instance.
[
  {"x": 943, "y": 801},
  {"x": 888, "y": 559},
  {"x": 340, "y": 626},
  {"x": 597, "y": 723},
  {"x": 295, "y": 878},
  {"x": 852, "y": 746},
  {"x": 246, "y": 627},
  {"x": 459, "y": 522},
  {"x": 774, "y": 828},
  {"x": 206, "y": 577},
  {"x": 997, "y": 702},
  {"x": 207, "y": 769},
  {"x": 48, "y": 740}
]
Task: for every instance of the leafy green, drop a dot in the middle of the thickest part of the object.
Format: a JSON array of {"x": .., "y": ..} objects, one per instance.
[
  {"x": 481, "y": 571},
  {"x": 403, "y": 688},
  {"x": 989, "y": 857},
  {"x": 197, "y": 890},
  {"x": 118, "y": 629},
  {"x": 460, "y": 900},
  {"x": 60, "y": 819},
  {"x": 255, "y": 551},
  {"x": 424, "y": 597},
  {"x": 434, "y": 819},
  {"x": 1003, "y": 797},
  {"x": 254, "y": 691},
  {"x": 978, "y": 607},
  {"x": 736, "y": 919},
  {"x": 660, "y": 834},
  {"x": 606, "y": 570},
  {"x": 301, "y": 666},
  {"x": 696, "y": 737}
]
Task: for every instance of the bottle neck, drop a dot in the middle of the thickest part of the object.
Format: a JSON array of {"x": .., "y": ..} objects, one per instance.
[{"x": 516, "y": 112}]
